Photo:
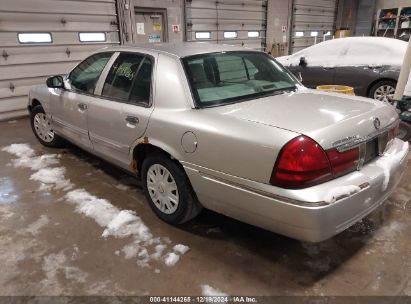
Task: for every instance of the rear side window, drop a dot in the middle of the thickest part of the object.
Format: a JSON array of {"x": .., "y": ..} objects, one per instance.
[
  {"x": 129, "y": 79},
  {"x": 222, "y": 78},
  {"x": 85, "y": 76}
]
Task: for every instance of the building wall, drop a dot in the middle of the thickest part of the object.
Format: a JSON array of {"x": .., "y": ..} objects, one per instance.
[
  {"x": 175, "y": 16},
  {"x": 25, "y": 65},
  {"x": 347, "y": 15},
  {"x": 278, "y": 15},
  {"x": 391, "y": 3}
]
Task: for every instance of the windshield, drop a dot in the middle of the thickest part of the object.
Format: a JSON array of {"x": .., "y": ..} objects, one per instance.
[{"x": 228, "y": 77}]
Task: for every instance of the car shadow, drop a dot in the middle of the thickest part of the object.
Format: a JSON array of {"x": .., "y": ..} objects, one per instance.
[{"x": 306, "y": 262}]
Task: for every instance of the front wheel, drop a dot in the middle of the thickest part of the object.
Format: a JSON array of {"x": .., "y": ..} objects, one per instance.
[
  {"x": 383, "y": 90},
  {"x": 168, "y": 190},
  {"x": 41, "y": 126}
]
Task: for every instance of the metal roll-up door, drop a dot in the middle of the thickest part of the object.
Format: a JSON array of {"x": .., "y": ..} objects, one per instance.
[
  {"x": 23, "y": 65},
  {"x": 312, "y": 22},
  {"x": 241, "y": 22}
]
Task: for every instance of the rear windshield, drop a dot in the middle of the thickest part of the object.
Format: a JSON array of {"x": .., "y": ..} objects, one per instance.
[{"x": 229, "y": 77}]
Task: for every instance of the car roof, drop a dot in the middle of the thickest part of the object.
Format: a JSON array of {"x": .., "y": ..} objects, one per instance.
[{"x": 180, "y": 49}]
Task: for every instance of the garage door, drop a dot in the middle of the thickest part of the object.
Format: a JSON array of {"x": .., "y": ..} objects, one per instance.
[
  {"x": 47, "y": 37},
  {"x": 241, "y": 22},
  {"x": 311, "y": 21}
]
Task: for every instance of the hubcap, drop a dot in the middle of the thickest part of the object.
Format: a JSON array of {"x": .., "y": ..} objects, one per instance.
[
  {"x": 43, "y": 128},
  {"x": 384, "y": 93},
  {"x": 162, "y": 189}
]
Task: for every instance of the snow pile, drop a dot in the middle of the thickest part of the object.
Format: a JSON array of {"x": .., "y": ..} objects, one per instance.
[
  {"x": 208, "y": 291},
  {"x": 351, "y": 51},
  {"x": 52, "y": 178},
  {"x": 19, "y": 150},
  {"x": 36, "y": 163},
  {"x": 116, "y": 223},
  {"x": 389, "y": 159},
  {"x": 125, "y": 223},
  {"x": 337, "y": 193},
  {"x": 171, "y": 259},
  {"x": 181, "y": 248}
]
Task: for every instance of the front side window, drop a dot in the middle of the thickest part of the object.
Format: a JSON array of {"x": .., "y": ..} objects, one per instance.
[
  {"x": 129, "y": 79},
  {"x": 85, "y": 76},
  {"x": 228, "y": 77}
]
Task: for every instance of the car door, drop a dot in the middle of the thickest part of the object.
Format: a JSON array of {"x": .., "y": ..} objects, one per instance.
[
  {"x": 69, "y": 106},
  {"x": 361, "y": 66},
  {"x": 120, "y": 116}
]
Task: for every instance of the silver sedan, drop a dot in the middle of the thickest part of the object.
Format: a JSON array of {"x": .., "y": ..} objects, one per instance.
[{"x": 227, "y": 129}]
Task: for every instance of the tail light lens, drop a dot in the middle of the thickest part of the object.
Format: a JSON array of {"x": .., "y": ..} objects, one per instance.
[
  {"x": 343, "y": 162},
  {"x": 393, "y": 132},
  {"x": 302, "y": 163}
]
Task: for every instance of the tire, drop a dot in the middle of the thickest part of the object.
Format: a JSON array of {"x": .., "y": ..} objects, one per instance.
[
  {"x": 40, "y": 124},
  {"x": 383, "y": 90},
  {"x": 187, "y": 207},
  {"x": 405, "y": 131}
]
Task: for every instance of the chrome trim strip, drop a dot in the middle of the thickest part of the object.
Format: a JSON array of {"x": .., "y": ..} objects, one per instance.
[
  {"x": 105, "y": 142},
  {"x": 71, "y": 128},
  {"x": 358, "y": 141},
  {"x": 274, "y": 196}
]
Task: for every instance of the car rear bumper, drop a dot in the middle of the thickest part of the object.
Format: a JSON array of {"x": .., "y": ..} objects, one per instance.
[{"x": 313, "y": 219}]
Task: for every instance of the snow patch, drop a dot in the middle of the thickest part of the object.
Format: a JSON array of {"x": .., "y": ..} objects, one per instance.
[
  {"x": 182, "y": 249},
  {"x": 337, "y": 193},
  {"x": 171, "y": 259},
  {"x": 388, "y": 160},
  {"x": 19, "y": 150},
  {"x": 208, "y": 291},
  {"x": 36, "y": 163},
  {"x": 51, "y": 178},
  {"x": 126, "y": 223},
  {"x": 350, "y": 51},
  {"x": 122, "y": 187},
  {"x": 116, "y": 223}
]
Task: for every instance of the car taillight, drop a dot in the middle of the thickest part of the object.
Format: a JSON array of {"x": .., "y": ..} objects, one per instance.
[
  {"x": 393, "y": 132},
  {"x": 302, "y": 163},
  {"x": 343, "y": 162}
]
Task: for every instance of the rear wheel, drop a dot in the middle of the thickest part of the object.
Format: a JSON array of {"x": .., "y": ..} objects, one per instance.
[
  {"x": 41, "y": 126},
  {"x": 168, "y": 190},
  {"x": 383, "y": 90}
]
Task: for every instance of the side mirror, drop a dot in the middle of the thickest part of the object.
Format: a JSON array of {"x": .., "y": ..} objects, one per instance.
[
  {"x": 303, "y": 61},
  {"x": 55, "y": 82}
]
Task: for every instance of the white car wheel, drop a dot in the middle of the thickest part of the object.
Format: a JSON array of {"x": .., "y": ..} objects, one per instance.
[{"x": 162, "y": 189}]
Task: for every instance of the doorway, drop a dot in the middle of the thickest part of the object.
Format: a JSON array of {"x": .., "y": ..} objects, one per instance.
[{"x": 151, "y": 25}]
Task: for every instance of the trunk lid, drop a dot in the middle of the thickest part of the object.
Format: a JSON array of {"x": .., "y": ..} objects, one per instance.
[{"x": 327, "y": 118}]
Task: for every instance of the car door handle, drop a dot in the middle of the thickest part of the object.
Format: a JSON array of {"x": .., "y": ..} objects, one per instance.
[
  {"x": 82, "y": 106},
  {"x": 132, "y": 120}
]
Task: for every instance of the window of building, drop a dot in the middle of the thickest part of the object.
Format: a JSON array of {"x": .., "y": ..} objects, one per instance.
[
  {"x": 203, "y": 35},
  {"x": 230, "y": 34},
  {"x": 92, "y": 37},
  {"x": 34, "y": 38},
  {"x": 253, "y": 34}
]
